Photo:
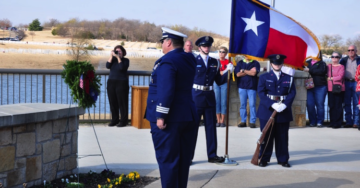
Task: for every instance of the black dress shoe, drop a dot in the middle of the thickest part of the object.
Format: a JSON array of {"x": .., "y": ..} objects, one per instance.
[
  {"x": 121, "y": 125},
  {"x": 263, "y": 164},
  {"x": 336, "y": 127},
  {"x": 242, "y": 124},
  {"x": 112, "y": 124},
  {"x": 286, "y": 164},
  {"x": 216, "y": 159},
  {"x": 252, "y": 125}
]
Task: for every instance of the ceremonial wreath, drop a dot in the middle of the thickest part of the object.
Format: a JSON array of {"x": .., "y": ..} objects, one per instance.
[{"x": 83, "y": 84}]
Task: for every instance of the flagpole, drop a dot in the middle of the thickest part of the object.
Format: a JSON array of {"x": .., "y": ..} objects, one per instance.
[
  {"x": 228, "y": 161},
  {"x": 268, "y": 62}
]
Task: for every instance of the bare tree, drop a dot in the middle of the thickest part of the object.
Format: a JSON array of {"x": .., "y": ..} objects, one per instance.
[
  {"x": 21, "y": 34},
  {"x": 353, "y": 41},
  {"x": 124, "y": 29},
  {"x": 155, "y": 35},
  {"x": 32, "y": 34},
  {"x": 51, "y": 23},
  {"x": 5, "y": 23},
  {"x": 61, "y": 30},
  {"x": 330, "y": 41},
  {"x": 78, "y": 50}
]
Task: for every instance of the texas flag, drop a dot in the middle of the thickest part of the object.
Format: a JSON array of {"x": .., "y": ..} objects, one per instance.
[{"x": 258, "y": 30}]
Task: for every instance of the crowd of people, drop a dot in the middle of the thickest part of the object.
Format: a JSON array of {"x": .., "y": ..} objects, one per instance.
[
  {"x": 185, "y": 87},
  {"x": 340, "y": 82}
]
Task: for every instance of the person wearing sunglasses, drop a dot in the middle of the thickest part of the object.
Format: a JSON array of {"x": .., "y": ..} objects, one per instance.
[
  {"x": 246, "y": 72},
  {"x": 335, "y": 75},
  {"x": 221, "y": 90},
  {"x": 316, "y": 96},
  {"x": 351, "y": 62}
]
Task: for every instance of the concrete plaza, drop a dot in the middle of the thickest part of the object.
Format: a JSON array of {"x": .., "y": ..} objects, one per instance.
[{"x": 320, "y": 157}]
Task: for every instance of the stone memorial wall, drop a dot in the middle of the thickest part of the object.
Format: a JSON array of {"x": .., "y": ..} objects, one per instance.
[{"x": 31, "y": 138}]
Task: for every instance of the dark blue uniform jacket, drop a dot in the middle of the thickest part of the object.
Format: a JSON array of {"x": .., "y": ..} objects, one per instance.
[
  {"x": 205, "y": 76},
  {"x": 170, "y": 91},
  {"x": 268, "y": 84}
]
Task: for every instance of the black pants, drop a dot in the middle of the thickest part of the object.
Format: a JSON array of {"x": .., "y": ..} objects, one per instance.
[
  {"x": 279, "y": 134},
  {"x": 118, "y": 93},
  {"x": 336, "y": 109}
]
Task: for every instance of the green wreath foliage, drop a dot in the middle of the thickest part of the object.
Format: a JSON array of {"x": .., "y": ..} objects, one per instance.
[{"x": 73, "y": 71}]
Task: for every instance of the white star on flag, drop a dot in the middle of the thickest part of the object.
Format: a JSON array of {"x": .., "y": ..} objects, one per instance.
[{"x": 252, "y": 23}]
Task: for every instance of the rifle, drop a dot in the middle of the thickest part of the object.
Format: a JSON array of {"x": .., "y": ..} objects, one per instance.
[{"x": 270, "y": 123}]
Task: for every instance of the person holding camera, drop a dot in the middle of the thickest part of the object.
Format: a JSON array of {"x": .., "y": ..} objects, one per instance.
[{"x": 118, "y": 86}]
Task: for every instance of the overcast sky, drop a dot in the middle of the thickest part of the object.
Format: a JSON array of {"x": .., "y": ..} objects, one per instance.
[{"x": 320, "y": 16}]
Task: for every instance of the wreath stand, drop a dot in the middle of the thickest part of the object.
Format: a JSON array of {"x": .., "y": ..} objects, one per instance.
[
  {"x": 65, "y": 138},
  {"x": 73, "y": 68}
]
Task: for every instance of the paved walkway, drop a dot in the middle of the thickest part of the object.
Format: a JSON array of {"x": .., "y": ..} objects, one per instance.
[{"x": 320, "y": 157}]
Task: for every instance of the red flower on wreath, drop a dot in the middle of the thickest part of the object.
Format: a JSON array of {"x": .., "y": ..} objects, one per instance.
[
  {"x": 90, "y": 75},
  {"x": 86, "y": 85},
  {"x": 85, "y": 81}
]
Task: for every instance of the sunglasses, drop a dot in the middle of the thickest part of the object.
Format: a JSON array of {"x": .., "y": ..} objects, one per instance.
[
  {"x": 335, "y": 57},
  {"x": 351, "y": 50},
  {"x": 223, "y": 52}
]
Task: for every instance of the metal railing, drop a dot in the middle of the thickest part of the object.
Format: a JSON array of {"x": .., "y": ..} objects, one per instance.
[{"x": 47, "y": 86}]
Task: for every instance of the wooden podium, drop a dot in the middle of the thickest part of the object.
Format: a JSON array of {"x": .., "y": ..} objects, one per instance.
[{"x": 139, "y": 96}]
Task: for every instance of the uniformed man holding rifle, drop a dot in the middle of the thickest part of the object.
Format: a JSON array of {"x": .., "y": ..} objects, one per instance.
[{"x": 276, "y": 91}]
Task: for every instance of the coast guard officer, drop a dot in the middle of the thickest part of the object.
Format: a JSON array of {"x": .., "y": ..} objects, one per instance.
[
  {"x": 207, "y": 71},
  {"x": 171, "y": 110},
  {"x": 273, "y": 87}
]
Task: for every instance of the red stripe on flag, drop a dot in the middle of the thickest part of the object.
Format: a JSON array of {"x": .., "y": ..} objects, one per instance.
[{"x": 292, "y": 46}]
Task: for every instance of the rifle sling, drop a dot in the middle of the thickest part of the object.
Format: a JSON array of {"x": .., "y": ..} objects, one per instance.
[{"x": 267, "y": 142}]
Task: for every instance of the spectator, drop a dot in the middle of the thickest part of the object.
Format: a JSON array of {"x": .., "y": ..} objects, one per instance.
[
  {"x": 246, "y": 70},
  {"x": 335, "y": 76},
  {"x": 350, "y": 63},
  {"x": 357, "y": 78},
  {"x": 316, "y": 96},
  {"x": 221, "y": 90},
  {"x": 188, "y": 47},
  {"x": 118, "y": 86}
]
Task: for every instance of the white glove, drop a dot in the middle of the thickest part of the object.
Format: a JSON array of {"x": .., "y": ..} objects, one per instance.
[
  {"x": 282, "y": 107},
  {"x": 230, "y": 67},
  {"x": 276, "y": 106}
]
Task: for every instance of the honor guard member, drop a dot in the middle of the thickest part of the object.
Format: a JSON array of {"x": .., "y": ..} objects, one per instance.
[
  {"x": 276, "y": 91},
  {"x": 171, "y": 110},
  {"x": 207, "y": 71}
]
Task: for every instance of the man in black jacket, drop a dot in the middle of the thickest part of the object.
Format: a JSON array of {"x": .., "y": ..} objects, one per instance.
[
  {"x": 350, "y": 63},
  {"x": 316, "y": 96}
]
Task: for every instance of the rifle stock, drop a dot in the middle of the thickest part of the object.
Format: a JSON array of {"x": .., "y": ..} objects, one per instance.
[{"x": 255, "y": 158}]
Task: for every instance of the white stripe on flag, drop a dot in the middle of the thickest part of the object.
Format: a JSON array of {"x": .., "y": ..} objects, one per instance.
[{"x": 289, "y": 27}]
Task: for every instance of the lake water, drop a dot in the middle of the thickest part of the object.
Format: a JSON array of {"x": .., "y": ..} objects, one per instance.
[
  {"x": 17, "y": 88},
  {"x": 22, "y": 88}
]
